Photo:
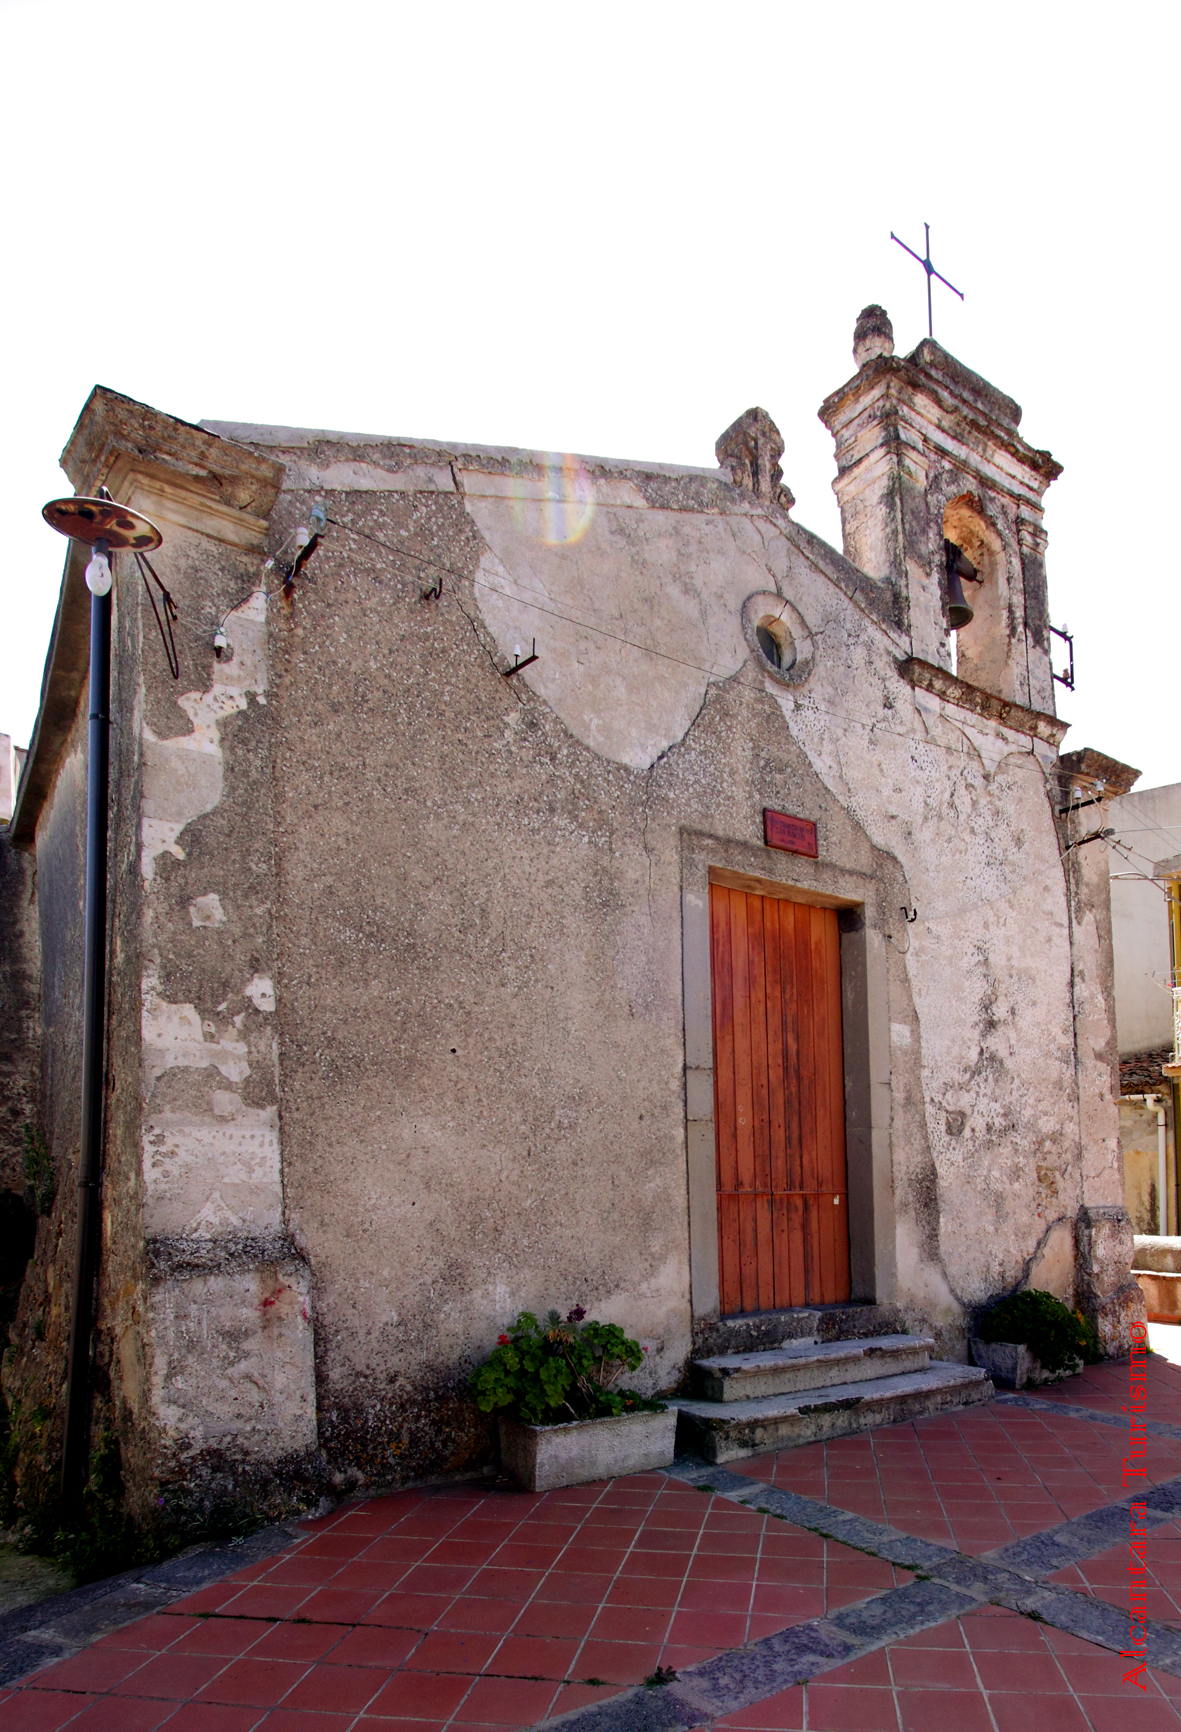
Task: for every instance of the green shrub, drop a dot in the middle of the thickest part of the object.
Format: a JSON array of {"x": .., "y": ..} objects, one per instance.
[
  {"x": 39, "y": 1172},
  {"x": 563, "y": 1369},
  {"x": 1052, "y": 1332}
]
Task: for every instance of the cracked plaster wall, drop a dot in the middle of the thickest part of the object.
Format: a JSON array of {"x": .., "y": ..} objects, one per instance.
[
  {"x": 443, "y": 909},
  {"x": 230, "y": 1361},
  {"x": 480, "y": 935}
]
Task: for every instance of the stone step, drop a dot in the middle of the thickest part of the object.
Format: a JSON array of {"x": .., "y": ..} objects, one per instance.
[
  {"x": 807, "y": 1365},
  {"x": 756, "y": 1331},
  {"x": 727, "y": 1430}
]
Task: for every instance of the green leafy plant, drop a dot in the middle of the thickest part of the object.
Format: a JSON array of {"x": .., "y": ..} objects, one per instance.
[
  {"x": 563, "y": 1369},
  {"x": 39, "y": 1171},
  {"x": 1092, "y": 1352},
  {"x": 1057, "y": 1336}
]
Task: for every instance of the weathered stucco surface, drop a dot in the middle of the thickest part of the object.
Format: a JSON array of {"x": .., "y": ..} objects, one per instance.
[{"x": 413, "y": 1012}]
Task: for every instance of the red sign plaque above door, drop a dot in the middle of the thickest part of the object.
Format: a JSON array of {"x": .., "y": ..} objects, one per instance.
[{"x": 793, "y": 835}]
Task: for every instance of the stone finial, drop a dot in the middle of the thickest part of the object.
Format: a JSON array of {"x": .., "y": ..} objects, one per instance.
[
  {"x": 750, "y": 449},
  {"x": 873, "y": 335}
]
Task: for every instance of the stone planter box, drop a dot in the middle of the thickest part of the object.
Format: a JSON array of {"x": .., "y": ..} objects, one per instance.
[
  {"x": 1007, "y": 1362},
  {"x": 543, "y": 1457},
  {"x": 1011, "y": 1363}
]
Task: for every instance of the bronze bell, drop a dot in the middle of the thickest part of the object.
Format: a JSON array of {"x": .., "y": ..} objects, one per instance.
[{"x": 958, "y": 566}]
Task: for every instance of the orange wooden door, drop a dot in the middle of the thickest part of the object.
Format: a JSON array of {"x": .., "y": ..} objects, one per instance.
[{"x": 779, "y": 1102}]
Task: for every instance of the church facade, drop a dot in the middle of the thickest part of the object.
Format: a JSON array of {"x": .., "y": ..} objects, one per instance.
[{"x": 559, "y": 881}]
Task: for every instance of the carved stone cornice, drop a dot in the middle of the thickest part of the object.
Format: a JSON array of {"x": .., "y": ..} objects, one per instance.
[
  {"x": 945, "y": 685},
  {"x": 1088, "y": 769},
  {"x": 948, "y": 404},
  {"x": 176, "y": 471}
]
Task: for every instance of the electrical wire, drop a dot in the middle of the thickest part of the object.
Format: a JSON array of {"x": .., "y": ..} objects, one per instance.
[
  {"x": 171, "y": 612},
  {"x": 804, "y": 705}
]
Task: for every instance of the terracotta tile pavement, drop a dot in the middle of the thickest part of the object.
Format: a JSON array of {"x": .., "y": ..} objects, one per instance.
[
  {"x": 462, "y": 1606},
  {"x": 981, "y": 1477},
  {"x": 1104, "y": 1388},
  {"x": 991, "y": 1671},
  {"x": 469, "y": 1607},
  {"x": 1106, "y": 1576}
]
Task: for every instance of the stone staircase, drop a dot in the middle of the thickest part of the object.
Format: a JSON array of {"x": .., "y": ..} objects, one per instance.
[{"x": 832, "y": 1381}]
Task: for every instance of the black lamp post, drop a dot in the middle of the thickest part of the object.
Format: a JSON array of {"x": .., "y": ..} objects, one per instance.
[{"x": 106, "y": 527}]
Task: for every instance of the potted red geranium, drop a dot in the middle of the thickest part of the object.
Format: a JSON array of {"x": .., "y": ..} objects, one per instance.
[{"x": 564, "y": 1417}]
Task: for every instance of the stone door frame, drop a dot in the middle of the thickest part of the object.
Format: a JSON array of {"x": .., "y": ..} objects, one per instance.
[{"x": 866, "y": 1044}]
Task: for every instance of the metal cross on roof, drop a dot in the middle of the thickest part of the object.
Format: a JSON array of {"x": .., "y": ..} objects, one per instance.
[{"x": 931, "y": 272}]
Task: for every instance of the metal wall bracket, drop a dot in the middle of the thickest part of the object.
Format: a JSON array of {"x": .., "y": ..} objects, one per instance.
[{"x": 1066, "y": 679}]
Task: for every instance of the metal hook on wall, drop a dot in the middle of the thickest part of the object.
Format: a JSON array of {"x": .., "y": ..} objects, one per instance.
[{"x": 518, "y": 663}]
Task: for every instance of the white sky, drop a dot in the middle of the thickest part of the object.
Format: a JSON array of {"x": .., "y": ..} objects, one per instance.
[{"x": 606, "y": 229}]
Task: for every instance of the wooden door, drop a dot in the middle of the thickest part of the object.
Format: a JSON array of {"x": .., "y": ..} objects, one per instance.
[{"x": 779, "y": 1102}]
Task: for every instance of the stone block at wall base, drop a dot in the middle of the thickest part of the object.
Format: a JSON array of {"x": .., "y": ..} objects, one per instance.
[
  {"x": 1107, "y": 1292},
  {"x": 544, "y": 1457},
  {"x": 213, "y": 1493}
]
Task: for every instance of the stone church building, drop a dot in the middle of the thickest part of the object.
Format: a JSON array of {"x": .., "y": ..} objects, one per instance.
[{"x": 556, "y": 881}]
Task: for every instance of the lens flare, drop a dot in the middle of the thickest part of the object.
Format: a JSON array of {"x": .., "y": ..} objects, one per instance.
[{"x": 557, "y": 508}]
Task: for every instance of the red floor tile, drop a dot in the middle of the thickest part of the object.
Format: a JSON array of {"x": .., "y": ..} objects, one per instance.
[
  {"x": 337, "y": 1688},
  {"x": 94, "y": 1669},
  {"x": 1117, "y": 1714},
  {"x": 339, "y": 1605},
  {"x": 120, "y": 1714},
  {"x": 253, "y": 1683},
  {"x": 212, "y": 1717},
  {"x": 556, "y": 1618},
  {"x": 534, "y": 1657},
  {"x": 156, "y": 1632},
  {"x": 631, "y": 1624},
  {"x": 297, "y": 1720},
  {"x": 512, "y": 1702},
  {"x": 259, "y": 1600},
  {"x": 375, "y": 1645},
  {"x": 453, "y": 1651},
  {"x": 833, "y": 1708},
  {"x": 714, "y": 1629},
  {"x": 178, "y": 1677},
  {"x": 419, "y": 1695},
  {"x": 935, "y": 1710},
  {"x": 586, "y": 1589},
  {"x": 618, "y": 1662},
  {"x": 409, "y": 1611},
  {"x": 933, "y": 1668},
  {"x": 226, "y": 1636},
  {"x": 1018, "y": 1712}
]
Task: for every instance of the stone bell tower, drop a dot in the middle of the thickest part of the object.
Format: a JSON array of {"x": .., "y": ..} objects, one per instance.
[{"x": 928, "y": 453}]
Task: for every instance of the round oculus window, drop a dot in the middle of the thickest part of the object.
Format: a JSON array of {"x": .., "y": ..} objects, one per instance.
[
  {"x": 776, "y": 643},
  {"x": 778, "y": 637}
]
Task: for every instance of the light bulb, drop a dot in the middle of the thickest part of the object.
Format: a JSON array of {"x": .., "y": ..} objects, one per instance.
[
  {"x": 98, "y": 574},
  {"x": 318, "y": 519}
]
